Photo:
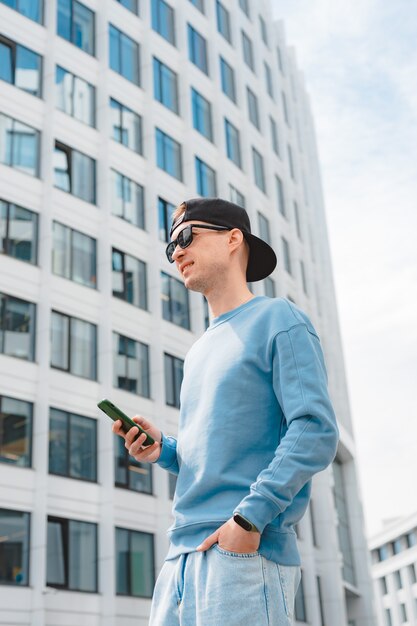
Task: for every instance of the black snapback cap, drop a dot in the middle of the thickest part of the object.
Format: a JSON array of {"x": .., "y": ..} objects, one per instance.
[{"x": 262, "y": 258}]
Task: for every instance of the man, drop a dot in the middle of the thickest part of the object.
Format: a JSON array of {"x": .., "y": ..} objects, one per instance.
[{"x": 256, "y": 423}]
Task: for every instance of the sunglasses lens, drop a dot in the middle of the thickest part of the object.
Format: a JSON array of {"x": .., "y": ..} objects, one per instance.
[
  {"x": 170, "y": 251},
  {"x": 185, "y": 237}
]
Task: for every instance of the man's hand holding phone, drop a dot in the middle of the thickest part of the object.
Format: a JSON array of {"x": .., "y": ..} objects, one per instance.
[{"x": 151, "y": 453}]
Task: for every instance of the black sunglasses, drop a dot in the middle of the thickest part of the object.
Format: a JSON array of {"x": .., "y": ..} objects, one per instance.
[{"x": 185, "y": 238}]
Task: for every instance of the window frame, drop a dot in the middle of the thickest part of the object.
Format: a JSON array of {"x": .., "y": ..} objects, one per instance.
[
  {"x": 165, "y": 141},
  {"x": 171, "y": 359},
  {"x": 160, "y": 81},
  {"x": 202, "y": 113},
  {"x": 122, "y": 110},
  {"x": 13, "y": 45},
  {"x": 171, "y": 281},
  {"x": 136, "y": 46},
  {"x": 29, "y": 428},
  {"x": 71, "y": 24},
  {"x": 123, "y": 270},
  {"x": 4, "y": 299},
  {"x": 141, "y": 345},
  {"x": 68, "y": 369},
  {"x": 69, "y": 151},
  {"x": 141, "y": 223},
  {"x": 73, "y": 231},
  {"x": 197, "y": 49},
  {"x": 26, "y": 515},
  {"x": 37, "y": 137},
  {"x": 129, "y": 568},
  {"x": 6, "y": 240},
  {"x": 91, "y": 90}
]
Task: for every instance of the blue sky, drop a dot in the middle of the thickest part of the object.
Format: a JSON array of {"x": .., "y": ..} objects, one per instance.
[{"x": 359, "y": 60}]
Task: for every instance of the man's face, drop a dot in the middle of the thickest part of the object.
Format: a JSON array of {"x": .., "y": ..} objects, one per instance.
[{"x": 205, "y": 261}]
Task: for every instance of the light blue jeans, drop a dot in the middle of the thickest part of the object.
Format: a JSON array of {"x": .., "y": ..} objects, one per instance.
[{"x": 221, "y": 588}]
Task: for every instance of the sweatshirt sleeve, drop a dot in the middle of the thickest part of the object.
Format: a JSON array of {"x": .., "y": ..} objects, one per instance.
[
  {"x": 310, "y": 441},
  {"x": 168, "y": 458}
]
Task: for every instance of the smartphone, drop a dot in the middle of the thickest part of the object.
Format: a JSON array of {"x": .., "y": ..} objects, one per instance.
[{"x": 115, "y": 414}]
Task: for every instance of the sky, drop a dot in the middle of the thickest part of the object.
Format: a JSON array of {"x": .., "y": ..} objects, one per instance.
[{"x": 359, "y": 60}]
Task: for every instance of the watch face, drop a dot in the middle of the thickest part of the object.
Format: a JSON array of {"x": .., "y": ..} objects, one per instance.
[{"x": 242, "y": 522}]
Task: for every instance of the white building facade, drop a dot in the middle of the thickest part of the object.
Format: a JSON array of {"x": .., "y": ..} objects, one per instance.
[
  {"x": 394, "y": 571},
  {"x": 111, "y": 113}
]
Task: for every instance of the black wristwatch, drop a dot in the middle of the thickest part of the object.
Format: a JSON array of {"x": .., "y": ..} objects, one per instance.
[{"x": 245, "y": 523}]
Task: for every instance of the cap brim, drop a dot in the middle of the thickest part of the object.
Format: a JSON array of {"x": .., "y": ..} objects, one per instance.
[{"x": 262, "y": 259}]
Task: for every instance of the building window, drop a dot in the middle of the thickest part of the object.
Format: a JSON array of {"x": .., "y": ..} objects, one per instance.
[
  {"x": 303, "y": 277},
  {"x": 197, "y": 49},
  {"x": 165, "y": 210},
  {"x": 343, "y": 527},
  {"x": 14, "y": 547},
  {"x": 281, "y": 196},
  {"x": 15, "y": 432},
  {"x": 248, "y": 51},
  {"x": 75, "y": 23},
  {"x": 201, "y": 114},
  {"x": 124, "y": 55},
  {"x": 291, "y": 162},
  {"x": 163, "y": 20},
  {"x": 129, "y": 473},
  {"x": 72, "y": 445},
  {"x": 263, "y": 30},
  {"x": 313, "y": 524},
  {"x": 279, "y": 58},
  {"x": 74, "y": 255},
  {"x": 412, "y": 573},
  {"x": 244, "y": 5},
  {"x": 269, "y": 286},
  {"x": 172, "y": 483},
  {"x": 17, "y": 327},
  {"x": 33, "y": 9},
  {"x": 397, "y": 546},
  {"x": 71, "y": 555},
  {"x": 274, "y": 135},
  {"x": 264, "y": 232},
  {"x": 233, "y": 143},
  {"x": 297, "y": 221},
  {"x": 126, "y": 126},
  {"x": 383, "y": 584},
  {"x": 135, "y": 563},
  {"x": 285, "y": 108},
  {"x": 299, "y": 605},
  {"x": 236, "y": 196},
  {"x": 129, "y": 279},
  {"x": 131, "y": 365},
  {"x": 74, "y": 172},
  {"x": 74, "y": 346},
  {"x": 20, "y": 66},
  {"x": 268, "y": 80},
  {"x": 411, "y": 539},
  {"x": 174, "y": 371},
  {"x": 258, "y": 168},
  {"x": 199, "y": 4},
  {"x": 175, "y": 301},
  {"x": 286, "y": 255},
  {"x": 18, "y": 232},
  {"x": 320, "y": 594},
  {"x": 223, "y": 21},
  {"x": 228, "y": 80},
  {"x": 388, "y": 618},
  {"x": 168, "y": 154},
  {"x": 19, "y": 145},
  {"x": 165, "y": 83},
  {"x": 398, "y": 579},
  {"x": 128, "y": 200},
  {"x": 132, "y": 5},
  {"x": 206, "y": 179},
  {"x": 253, "y": 108},
  {"x": 75, "y": 96},
  {"x": 403, "y": 613}
]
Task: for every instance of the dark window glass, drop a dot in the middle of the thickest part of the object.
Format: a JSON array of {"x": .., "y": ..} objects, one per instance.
[
  {"x": 74, "y": 172},
  {"x": 268, "y": 80},
  {"x": 258, "y": 168},
  {"x": 228, "y": 80},
  {"x": 388, "y": 618},
  {"x": 248, "y": 51},
  {"x": 124, "y": 55},
  {"x": 383, "y": 585},
  {"x": 33, "y": 9},
  {"x": 19, "y": 145},
  {"x": 233, "y": 143},
  {"x": 297, "y": 221},
  {"x": 236, "y": 196},
  {"x": 206, "y": 179},
  {"x": 168, "y": 154},
  {"x": 74, "y": 255},
  {"x": 75, "y": 96},
  {"x": 71, "y": 555},
  {"x": 174, "y": 371},
  {"x": 72, "y": 445},
  {"x": 303, "y": 278},
  {"x": 135, "y": 563},
  {"x": 172, "y": 483},
  {"x": 206, "y": 313},
  {"x": 131, "y": 365},
  {"x": 132, "y": 5},
  {"x": 274, "y": 136},
  {"x": 14, "y": 547},
  {"x": 253, "y": 108},
  {"x": 199, "y": 4},
  {"x": 286, "y": 255},
  {"x": 264, "y": 232},
  {"x": 163, "y": 20},
  {"x": 15, "y": 432},
  {"x": 291, "y": 162},
  {"x": 264, "y": 33},
  {"x": 300, "y": 607},
  {"x": 165, "y": 83},
  {"x": 75, "y": 22},
  {"x": 269, "y": 287},
  {"x": 129, "y": 279},
  {"x": 285, "y": 108},
  {"x": 201, "y": 114},
  {"x": 74, "y": 346},
  {"x": 279, "y": 57},
  {"x": 343, "y": 526},
  {"x": 175, "y": 301},
  {"x": 126, "y": 126},
  {"x": 128, "y": 200},
  {"x": 197, "y": 49},
  {"x": 281, "y": 196},
  {"x": 244, "y": 5},
  {"x": 17, "y": 327},
  {"x": 129, "y": 473},
  {"x": 223, "y": 21},
  {"x": 320, "y": 594},
  {"x": 165, "y": 210},
  {"x": 18, "y": 232},
  {"x": 20, "y": 66}
]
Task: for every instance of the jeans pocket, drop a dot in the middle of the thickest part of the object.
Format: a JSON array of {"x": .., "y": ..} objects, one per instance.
[
  {"x": 289, "y": 577},
  {"x": 238, "y": 555}
]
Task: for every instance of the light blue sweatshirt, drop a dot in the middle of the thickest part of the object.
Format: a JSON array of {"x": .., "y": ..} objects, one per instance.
[{"x": 256, "y": 423}]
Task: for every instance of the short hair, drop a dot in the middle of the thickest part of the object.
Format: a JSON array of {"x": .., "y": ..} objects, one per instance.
[{"x": 178, "y": 211}]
